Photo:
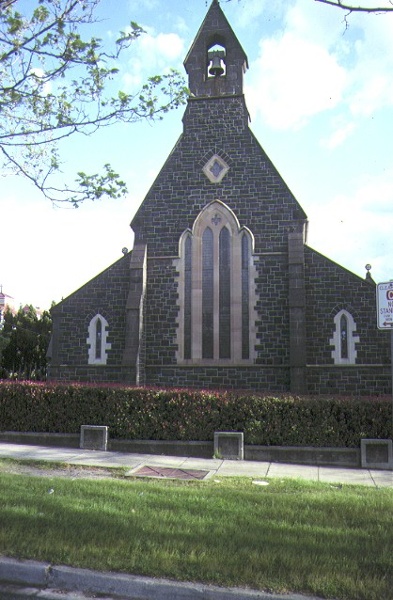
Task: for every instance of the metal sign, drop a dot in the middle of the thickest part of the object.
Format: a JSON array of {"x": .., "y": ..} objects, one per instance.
[{"x": 385, "y": 305}]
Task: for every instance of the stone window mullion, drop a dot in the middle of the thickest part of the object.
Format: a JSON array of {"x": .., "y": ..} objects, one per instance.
[{"x": 216, "y": 266}]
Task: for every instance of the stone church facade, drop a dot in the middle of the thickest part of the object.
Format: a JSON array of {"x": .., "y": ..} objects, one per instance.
[{"x": 221, "y": 289}]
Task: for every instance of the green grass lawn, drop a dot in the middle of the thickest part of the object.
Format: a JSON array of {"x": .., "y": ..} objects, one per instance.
[{"x": 321, "y": 539}]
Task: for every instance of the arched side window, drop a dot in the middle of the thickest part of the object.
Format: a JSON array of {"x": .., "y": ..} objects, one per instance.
[
  {"x": 216, "y": 270},
  {"x": 344, "y": 339},
  {"x": 97, "y": 341}
]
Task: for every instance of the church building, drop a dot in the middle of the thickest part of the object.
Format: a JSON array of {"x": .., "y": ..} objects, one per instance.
[{"x": 221, "y": 289}]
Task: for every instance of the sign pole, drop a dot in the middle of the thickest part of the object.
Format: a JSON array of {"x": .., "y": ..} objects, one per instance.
[
  {"x": 385, "y": 318},
  {"x": 391, "y": 362}
]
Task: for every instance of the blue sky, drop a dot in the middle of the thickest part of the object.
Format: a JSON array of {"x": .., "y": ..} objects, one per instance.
[{"x": 320, "y": 98}]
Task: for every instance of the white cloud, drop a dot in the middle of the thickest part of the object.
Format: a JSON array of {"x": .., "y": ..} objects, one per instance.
[
  {"x": 372, "y": 92},
  {"x": 248, "y": 11},
  {"x": 52, "y": 252},
  {"x": 40, "y": 75},
  {"x": 315, "y": 66},
  {"x": 355, "y": 228},
  {"x": 340, "y": 134},
  {"x": 152, "y": 54},
  {"x": 315, "y": 23},
  {"x": 181, "y": 25},
  {"x": 146, "y": 4},
  {"x": 371, "y": 85},
  {"x": 293, "y": 80},
  {"x": 161, "y": 48}
]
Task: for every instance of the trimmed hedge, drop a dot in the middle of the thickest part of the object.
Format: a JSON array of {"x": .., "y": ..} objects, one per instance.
[{"x": 182, "y": 414}]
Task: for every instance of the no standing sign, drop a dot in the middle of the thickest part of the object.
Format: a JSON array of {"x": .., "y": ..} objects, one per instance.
[{"x": 385, "y": 305}]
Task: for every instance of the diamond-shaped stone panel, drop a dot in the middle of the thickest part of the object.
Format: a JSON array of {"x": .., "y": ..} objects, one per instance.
[{"x": 215, "y": 169}]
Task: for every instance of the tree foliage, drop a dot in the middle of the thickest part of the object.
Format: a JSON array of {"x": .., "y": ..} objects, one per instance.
[
  {"x": 24, "y": 341},
  {"x": 54, "y": 83}
]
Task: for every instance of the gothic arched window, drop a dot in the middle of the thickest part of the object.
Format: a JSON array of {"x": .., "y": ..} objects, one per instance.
[
  {"x": 344, "y": 339},
  {"x": 97, "y": 341},
  {"x": 216, "y": 290}
]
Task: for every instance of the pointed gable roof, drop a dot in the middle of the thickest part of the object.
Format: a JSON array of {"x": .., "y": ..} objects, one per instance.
[
  {"x": 216, "y": 126},
  {"x": 215, "y": 30}
]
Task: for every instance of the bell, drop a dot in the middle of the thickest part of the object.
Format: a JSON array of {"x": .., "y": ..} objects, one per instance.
[{"x": 216, "y": 69}]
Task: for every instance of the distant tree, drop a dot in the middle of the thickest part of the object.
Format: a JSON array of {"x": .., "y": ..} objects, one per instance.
[
  {"x": 25, "y": 339},
  {"x": 4, "y": 341},
  {"x": 54, "y": 84}
]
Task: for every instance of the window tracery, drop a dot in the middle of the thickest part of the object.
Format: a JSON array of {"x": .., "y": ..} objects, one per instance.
[{"x": 216, "y": 273}]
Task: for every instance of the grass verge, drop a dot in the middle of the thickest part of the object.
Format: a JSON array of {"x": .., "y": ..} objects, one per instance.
[{"x": 289, "y": 535}]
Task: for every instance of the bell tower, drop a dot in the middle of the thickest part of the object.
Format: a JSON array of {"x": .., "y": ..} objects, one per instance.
[{"x": 216, "y": 62}]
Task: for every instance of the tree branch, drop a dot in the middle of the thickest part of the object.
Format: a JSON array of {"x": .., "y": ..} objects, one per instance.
[
  {"x": 54, "y": 84},
  {"x": 6, "y": 3},
  {"x": 350, "y": 8}
]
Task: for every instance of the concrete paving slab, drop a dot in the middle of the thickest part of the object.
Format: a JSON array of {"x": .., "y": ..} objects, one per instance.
[
  {"x": 38, "y": 453},
  {"x": 382, "y": 478},
  {"x": 202, "y": 463},
  {"x": 165, "y": 461},
  {"x": 107, "y": 462},
  {"x": 16, "y": 451},
  {"x": 345, "y": 476},
  {"x": 49, "y": 457},
  {"x": 91, "y": 455},
  {"x": 237, "y": 468},
  {"x": 284, "y": 470}
]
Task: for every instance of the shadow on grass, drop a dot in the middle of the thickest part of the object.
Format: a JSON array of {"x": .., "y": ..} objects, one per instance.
[{"x": 294, "y": 536}]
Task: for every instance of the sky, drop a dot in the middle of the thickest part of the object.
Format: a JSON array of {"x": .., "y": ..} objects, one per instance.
[{"x": 320, "y": 96}]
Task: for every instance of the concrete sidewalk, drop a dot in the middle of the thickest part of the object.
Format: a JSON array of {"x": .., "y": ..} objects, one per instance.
[{"x": 214, "y": 467}]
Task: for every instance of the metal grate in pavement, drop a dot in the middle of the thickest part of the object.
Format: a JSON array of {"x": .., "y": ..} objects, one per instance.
[{"x": 169, "y": 473}]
